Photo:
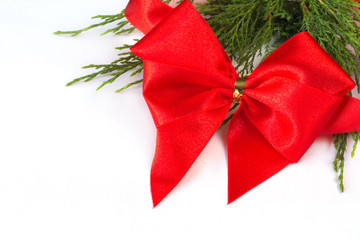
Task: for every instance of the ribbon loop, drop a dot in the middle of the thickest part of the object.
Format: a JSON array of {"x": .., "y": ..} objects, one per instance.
[{"x": 146, "y": 14}]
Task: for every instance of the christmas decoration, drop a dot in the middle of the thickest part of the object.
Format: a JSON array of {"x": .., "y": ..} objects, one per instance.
[
  {"x": 269, "y": 99},
  {"x": 189, "y": 88}
]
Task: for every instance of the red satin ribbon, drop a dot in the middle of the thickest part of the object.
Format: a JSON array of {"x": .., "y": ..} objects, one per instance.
[
  {"x": 294, "y": 95},
  {"x": 144, "y": 15}
]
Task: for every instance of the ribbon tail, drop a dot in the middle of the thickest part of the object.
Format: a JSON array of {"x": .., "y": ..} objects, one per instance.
[
  {"x": 252, "y": 160},
  {"x": 178, "y": 144},
  {"x": 146, "y": 14},
  {"x": 346, "y": 118}
]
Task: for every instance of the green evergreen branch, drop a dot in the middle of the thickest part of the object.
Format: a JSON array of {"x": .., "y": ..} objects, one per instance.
[
  {"x": 129, "y": 85},
  {"x": 356, "y": 138},
  {"x": 106, "y": 19},
  {"x": 237, "y": 26},
  {"x": 128, "y": 62},
  {"x": 244, "y": 28},
  {"x": 340, "y": 143}
]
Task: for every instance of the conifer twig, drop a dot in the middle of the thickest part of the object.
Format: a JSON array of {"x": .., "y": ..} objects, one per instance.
[
  {"x": 340, "y": 142},
  {"x": 106, "y": 19},
  {"x": 126, "y": 63}
]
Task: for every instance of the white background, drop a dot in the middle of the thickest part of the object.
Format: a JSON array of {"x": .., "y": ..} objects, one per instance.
[{"x": 75, "y": 163}]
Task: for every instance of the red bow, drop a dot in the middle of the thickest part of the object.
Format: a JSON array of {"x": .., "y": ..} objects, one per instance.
[{"x": 297, "y": 93}]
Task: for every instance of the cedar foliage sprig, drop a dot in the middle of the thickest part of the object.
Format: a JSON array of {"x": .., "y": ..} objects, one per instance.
[
  {"x": 340, "y": 143},
  {"x": 243, "y": 28},
  {"x": 106, "y": 19},
  {"x": 128, "y": 62}
]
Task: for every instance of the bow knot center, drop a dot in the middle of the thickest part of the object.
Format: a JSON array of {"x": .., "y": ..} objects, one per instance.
[{"x": 239, "y": 89}]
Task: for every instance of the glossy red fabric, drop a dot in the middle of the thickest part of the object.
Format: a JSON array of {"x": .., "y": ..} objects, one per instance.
[
  {"x": 144, "y": 15},
  {"x": 294, "y": 95}
]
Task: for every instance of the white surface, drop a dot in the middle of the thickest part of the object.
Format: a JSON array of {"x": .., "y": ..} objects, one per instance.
[{"x": 75, "y": 163}]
